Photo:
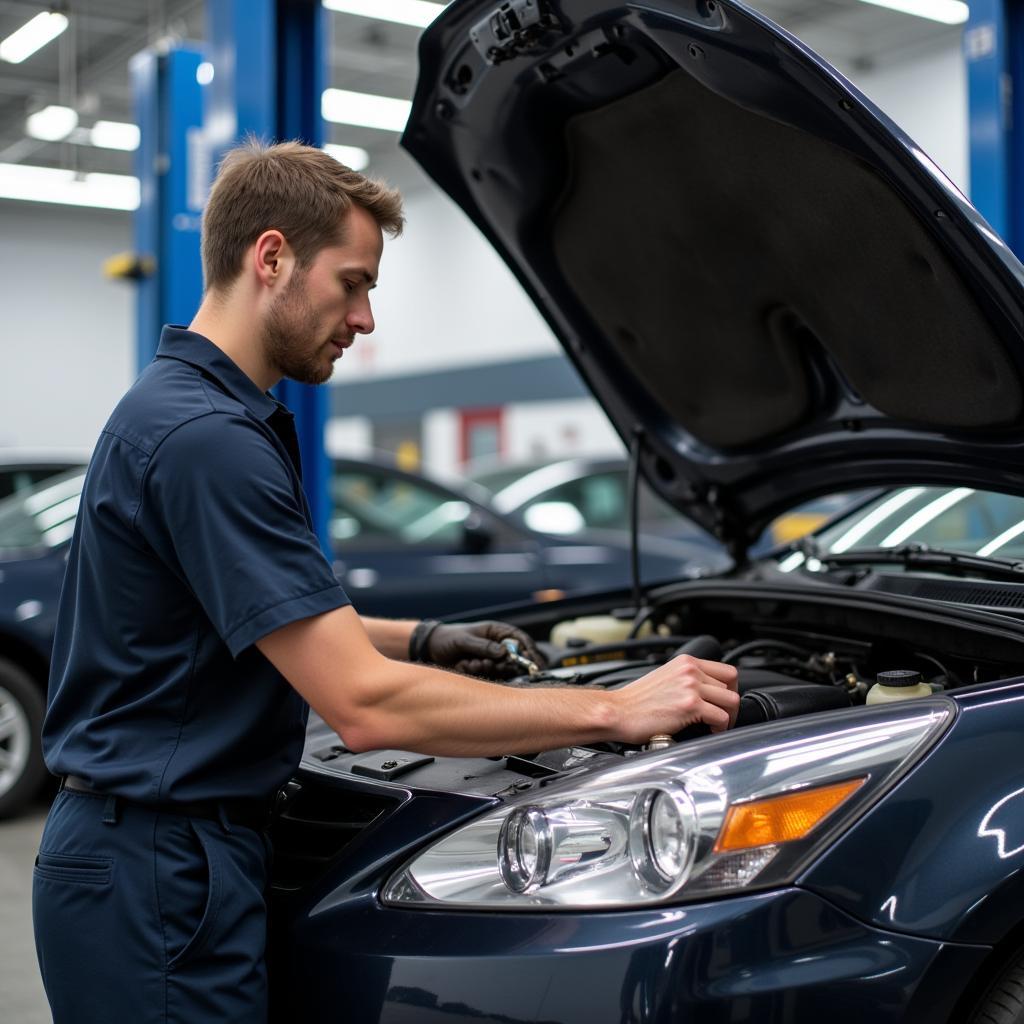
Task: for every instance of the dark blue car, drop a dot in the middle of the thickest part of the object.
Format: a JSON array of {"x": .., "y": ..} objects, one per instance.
[{"x": 776, "y": 296}]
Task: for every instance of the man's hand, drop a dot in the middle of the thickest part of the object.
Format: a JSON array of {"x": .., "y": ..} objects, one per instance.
[
  {"x": 472, "y": 648},
  {"x": 679, "y": 693}
]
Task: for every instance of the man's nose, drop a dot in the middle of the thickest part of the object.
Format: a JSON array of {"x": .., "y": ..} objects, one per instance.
[{"x": 360, "y": 319}]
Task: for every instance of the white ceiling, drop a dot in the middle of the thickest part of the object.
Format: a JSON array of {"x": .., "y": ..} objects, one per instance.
[{"x": 87, "y": 66}]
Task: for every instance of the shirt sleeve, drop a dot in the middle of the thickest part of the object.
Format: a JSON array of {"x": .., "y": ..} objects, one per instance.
[{"x": 220, "y": 505}]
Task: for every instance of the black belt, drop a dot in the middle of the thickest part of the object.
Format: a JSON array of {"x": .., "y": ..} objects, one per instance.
[{"x": 247, "y": 813}]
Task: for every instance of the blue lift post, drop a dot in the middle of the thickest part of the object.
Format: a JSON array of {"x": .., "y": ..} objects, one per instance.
[
  {"x": 173, "y": 175},
  {"x": 994, "y": 51},
  {"x": 269, "y": 62}
]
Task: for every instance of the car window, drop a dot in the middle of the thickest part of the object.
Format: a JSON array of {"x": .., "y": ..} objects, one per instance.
[
  {"x": 954, "y": 518},
  {"x": 602, "y": 500},
  {"x": 807, "y": 518},
  {"x": 41, "y": 517},
  {"x": 496, "y": 479},
  {"x": 958, "y": 519},
  {"x": 599, "y": 499},
  {"x": 373, "y": 508},
  {"x": 19, "y": 479}
]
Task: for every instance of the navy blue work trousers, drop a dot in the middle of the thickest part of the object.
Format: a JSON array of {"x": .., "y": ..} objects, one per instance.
[{"x": 144, "y": 917}]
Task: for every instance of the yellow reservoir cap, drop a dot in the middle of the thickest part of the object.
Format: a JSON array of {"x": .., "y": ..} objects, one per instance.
[{"x": 781, "y": 819}]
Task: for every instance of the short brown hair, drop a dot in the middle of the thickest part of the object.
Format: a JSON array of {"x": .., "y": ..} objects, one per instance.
[{"x": 297, "y": 189}]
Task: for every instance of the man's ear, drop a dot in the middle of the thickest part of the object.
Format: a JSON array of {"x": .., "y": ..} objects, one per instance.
[{"x": 272, "y": 258}]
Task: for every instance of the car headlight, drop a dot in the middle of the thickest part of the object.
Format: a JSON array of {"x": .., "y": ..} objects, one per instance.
[{"x": 736, "y": 811}]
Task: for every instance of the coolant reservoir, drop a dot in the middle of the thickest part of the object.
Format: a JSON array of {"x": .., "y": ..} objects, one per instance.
[
  {"x": 596, "y": 629},
  {"x": 899, "y": 684}
]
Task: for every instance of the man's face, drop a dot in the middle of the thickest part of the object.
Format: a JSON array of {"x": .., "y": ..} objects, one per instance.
[{"x": 324, "y": 306}]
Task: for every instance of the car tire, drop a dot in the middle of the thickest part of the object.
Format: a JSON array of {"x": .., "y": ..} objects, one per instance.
[
  {"x": 21, "y": 720},
  {"x": 1003, "y": 1001}
]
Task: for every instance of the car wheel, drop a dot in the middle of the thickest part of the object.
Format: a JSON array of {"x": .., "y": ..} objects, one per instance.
[
  {"x": 21, "y": 720},
  {"x": 1003, "y": 1002}
]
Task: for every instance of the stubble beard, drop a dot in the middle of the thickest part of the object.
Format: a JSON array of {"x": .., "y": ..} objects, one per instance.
[{"x": 289, "y": 337}]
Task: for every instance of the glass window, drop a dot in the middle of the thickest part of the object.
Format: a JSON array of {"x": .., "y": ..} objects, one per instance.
[
  {"x": 42, "y": 517},
  {"x": 954, "y": 518},
  {"x": 374, "y": 508},
  {"x": 18, "y": 479}
]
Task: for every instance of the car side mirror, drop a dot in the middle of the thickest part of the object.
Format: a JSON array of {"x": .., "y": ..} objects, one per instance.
[
  {"x": 558, "y": 517},
  {"x": 477, "y": 535}
]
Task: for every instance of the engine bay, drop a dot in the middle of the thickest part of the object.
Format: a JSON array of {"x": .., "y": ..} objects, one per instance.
[{"x": 799, "y": 650}]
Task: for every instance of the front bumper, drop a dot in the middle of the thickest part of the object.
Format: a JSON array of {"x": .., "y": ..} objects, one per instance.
[{"x": 784, "y": 956}]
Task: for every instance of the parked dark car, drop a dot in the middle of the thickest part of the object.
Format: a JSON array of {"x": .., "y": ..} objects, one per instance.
[
  {"x": 408, "y": 545},
  {"x": 569, "y": 496},
  {"x": 596, "y": 488},
  {"x": 405, "y": 546},
  {"x": 775, "y": 296}
]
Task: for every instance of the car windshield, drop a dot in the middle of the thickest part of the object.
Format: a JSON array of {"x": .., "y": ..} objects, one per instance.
[
  {"x": 957, "y": 519},
  {"x": 42, "y": 517}
]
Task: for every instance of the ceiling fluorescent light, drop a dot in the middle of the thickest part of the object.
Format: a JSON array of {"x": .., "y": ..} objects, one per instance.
[
  {"x": 350, "y": 156},
  {"x": 32, "y": 36},
  {"x": 115, "y": 135},
  {"x": 364, "y": 109},
  {"x": 949, "y": 12},
  {"x": 405, "y": 12},
  {"x": 54, "y": 185},
  {"x": 51, "y": 124}
]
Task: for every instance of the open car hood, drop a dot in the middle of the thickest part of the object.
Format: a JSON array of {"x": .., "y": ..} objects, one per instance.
[{"x": 755, "y": 271}]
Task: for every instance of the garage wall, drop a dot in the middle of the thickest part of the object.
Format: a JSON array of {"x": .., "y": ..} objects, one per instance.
[
  {"x": 67, "y": 335},
  {"x": 927, "y": 97},
  {"x": 540, "y": 430},
  {"x": 444, "y": 297}
]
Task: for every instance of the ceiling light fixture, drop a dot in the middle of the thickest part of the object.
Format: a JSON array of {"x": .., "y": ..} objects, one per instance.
[
  {"x": 350, "y": 156},
  {"x": 52, "y": 123},
  {"x": 364, "y": 109},
  {"x": 115, "y": 135},
  {"x": 949, "y": 12},
  {"x": 419, "y": 13},
  {"x": 32, "y": 36},
  {"x": 55, "y": 185}
]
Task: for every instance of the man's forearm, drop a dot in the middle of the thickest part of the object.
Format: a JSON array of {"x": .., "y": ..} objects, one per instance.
[
  {"x": 390, "y": 636},
  {"x": 437, "y": 712},
  {"x": 374, "y": 701}
]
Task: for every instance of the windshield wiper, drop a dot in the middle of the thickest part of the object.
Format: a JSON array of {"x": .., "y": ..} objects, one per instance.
[{"x": 920, "y": 556}]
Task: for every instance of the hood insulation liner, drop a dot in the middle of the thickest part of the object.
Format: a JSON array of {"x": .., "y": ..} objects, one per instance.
[{"x": 726, "y": 258}]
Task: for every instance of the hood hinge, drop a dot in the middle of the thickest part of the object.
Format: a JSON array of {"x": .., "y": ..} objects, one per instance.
[{"x": 515, "y": 26}]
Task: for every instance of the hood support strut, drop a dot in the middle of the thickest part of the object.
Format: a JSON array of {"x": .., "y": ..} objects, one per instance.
[{"x": 634, "y": 516}]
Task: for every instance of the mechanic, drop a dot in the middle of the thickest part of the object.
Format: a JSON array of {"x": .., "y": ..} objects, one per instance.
[{"x": 196, "y": 592}]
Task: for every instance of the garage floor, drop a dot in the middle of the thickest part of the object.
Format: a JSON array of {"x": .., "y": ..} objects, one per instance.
[{"x": 21, "y": 991}]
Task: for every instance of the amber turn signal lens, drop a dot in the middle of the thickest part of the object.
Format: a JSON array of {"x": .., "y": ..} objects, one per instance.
[{"x": 781, "y": 819}]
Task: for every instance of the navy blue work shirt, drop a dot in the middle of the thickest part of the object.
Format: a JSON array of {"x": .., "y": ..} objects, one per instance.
[{"x": 193, "y": 541}]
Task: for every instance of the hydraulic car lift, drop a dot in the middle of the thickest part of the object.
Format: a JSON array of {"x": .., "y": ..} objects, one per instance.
[
  {"x": 268, "y": 62},
  {"x": 994, "y": 51}
]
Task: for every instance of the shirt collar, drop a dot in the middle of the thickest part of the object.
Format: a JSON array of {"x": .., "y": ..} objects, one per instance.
[{"x": 188, "y": 347}]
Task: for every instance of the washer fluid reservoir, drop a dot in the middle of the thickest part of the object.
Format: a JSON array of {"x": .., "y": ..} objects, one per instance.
[
  {"x": 898, "y": 684},
  {"x": 596, "y": 629}
]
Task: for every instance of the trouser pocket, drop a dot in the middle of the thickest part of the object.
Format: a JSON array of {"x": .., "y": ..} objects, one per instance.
[
  {"x": 80, "y": 870},
  {"x": 190, "y": 879}
]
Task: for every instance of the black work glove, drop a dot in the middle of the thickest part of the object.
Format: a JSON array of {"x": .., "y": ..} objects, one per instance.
[{"x": 472, "y": 648}]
